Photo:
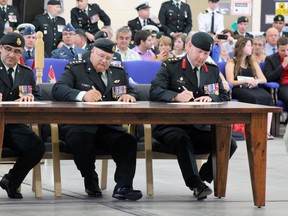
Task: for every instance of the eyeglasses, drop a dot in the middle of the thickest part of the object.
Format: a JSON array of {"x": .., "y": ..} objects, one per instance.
[
  {"x": 256, "y": 44},
  {"x": 103, "y": 56},
  {"x": 273, "y": 35},
  {"x": 16, "y": 52}
]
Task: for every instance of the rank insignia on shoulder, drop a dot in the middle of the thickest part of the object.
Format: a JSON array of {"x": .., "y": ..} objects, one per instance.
[
  {"x": 116, "y": 81},
  {"x": 204, "y": 11}
]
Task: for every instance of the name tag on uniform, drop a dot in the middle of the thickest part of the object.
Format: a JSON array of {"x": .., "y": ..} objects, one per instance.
[
  {"x": 117, "y": 91},
  {"x": 94, "y": 18},
  {"x": 211, "y": 89}
]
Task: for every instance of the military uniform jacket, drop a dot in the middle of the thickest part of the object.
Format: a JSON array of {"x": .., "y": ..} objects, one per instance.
[
  {"x": 176, "y": 20},
  {"x": 81, "y": 76},
  {"x": 65, "y": 53},
  {"x": 23, "y": 76},
  {"x": 273, "y": 68},
  {"x": 173, "y": 76},
  {"x": 135, "y": 25},
  {"x": 248, "y": 35},
  {"x": 12, "y": 16},
  {"x": 89, "y": 23},
  {"x": 205, "y": 18},
  {"x": 52, "y": 34},
  {"x": 25, "y": 55}
]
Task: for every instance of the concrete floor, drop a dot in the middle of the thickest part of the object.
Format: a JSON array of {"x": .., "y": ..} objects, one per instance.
[{"x": 171, "y": 196}]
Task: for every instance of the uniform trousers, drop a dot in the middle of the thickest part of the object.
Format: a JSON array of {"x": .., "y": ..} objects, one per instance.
[
  {"x": 121, "y": 145},
  {"x": 29, "y": 148},
  {"x": 185, "y": 142},
  {"x": 283, "y": 94}
]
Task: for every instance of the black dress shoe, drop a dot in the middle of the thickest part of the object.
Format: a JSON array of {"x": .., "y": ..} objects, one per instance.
[
  {"x": 12, "y": 192},
  {"x": 127, "y": 193},
  {"x": 91, "y": 184},
  {"x": 201, "y": 192},
  {"x": 95, "y": 192}
]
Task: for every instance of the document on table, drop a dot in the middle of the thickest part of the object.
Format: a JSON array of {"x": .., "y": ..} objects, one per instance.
[
  {"x": 107, "y": 103},
  {"x": 199, "y": 103},
  {"x": 22, "y": 102}
]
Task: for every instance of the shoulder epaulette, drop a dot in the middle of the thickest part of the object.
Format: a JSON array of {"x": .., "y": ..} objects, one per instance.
[
  {"x": 174, "y": 59},
  {"x": 76, "y": 62},
  {"x": 25, "y": 66},
  {"x": 116, "y": 66},
  {"x": 218, "y": 12},
  {"x": 204, "y": 11},
  {"x": 210, "y": 63}
]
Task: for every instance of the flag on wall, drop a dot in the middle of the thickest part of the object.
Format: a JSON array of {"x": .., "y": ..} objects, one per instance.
[{"x": 51, "y": 75}]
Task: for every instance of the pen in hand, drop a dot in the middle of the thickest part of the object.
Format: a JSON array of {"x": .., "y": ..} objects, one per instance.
[
  {"x": 188, "y": 90},
  {"x": 96, "y": 90}
]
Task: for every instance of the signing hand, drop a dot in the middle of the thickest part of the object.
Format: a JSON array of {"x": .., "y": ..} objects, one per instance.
[
  {"x": 92, "y": 96},
  {"x": 184, "y": 96}
]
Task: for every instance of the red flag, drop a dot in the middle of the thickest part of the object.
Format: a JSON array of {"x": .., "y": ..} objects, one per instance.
[
  {"x": 51, "y": 75},
  {"x": 21, "y": 61},
  {"x": 33, "y": 65}
]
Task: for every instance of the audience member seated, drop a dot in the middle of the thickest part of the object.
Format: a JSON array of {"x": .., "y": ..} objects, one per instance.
[
  {"x": 242, "y": 24},
  {"x": 245, "y": 74},
  {"x": 276, "y": 69},
  {"x": 80, "y": 39},
  {"x": 30, "y": 40},
  {"x": 154, "y": 31},
  {"x": 108, "y": 30},
  {"x": 143, "y": 41},
  {"x": 258, "y": 49},
  {"x": 279, "y": 24},
  {"x": 179, "y": 46},
  {"x": 218, "y": 53},
  {"x": 68, "y": 51},
  {"x": 165, "y": 46},
  {"x": 272, "y": 36},
  {"x": 123, "y": 39}
]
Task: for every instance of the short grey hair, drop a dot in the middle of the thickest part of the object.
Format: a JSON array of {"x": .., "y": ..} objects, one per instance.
[{"x": 260, "y": 37}]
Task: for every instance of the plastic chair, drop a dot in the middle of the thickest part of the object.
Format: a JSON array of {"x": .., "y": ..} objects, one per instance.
[
  {"x": 57, "y": 64},
  {"x": 141, "y": 72}
]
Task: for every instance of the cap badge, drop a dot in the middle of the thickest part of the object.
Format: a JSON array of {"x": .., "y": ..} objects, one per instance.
[
  {"x": 18, "y": 41},
  {"x": 113, "y": 48}
]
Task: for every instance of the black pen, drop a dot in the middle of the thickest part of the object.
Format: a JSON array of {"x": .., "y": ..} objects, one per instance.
[{"x": 95, "y": 89}]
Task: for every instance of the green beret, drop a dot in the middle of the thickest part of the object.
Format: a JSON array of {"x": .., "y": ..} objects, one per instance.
[
  {"x": 105, "y": 45},
  {"x": 13, "y": 39},
  {"x": 202, "y": 40},
  {"x": 242, "y": 19},
  {"x": 100, "y": 34},
  {"x": 279, "y": 17}
]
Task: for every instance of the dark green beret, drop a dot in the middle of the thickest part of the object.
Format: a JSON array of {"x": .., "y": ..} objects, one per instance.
[
  {"x": 100, "y": 34},
  {"x": 202, "y": 40},
  {"x": 105, "y": 45},
  {"x": 279, "y": 17},
  {"x": 242, "y": 19},
  {"x": 13, "y": 39},
  {"x": 54, "y": 2}
]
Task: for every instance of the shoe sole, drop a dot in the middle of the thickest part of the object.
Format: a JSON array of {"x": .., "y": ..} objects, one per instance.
[
  {"x": 133, "y": 198},
  {"x": 203, "y": 195}
]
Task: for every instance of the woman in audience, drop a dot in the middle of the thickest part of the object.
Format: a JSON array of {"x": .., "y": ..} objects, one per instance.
[
  {"x": 179, "y": 46},
  {"x": 165, "y": 47},
  {"x": 258, "y": 49},
  {"x": 245, "y": 75},
  {"x": 218, "y": 52}
]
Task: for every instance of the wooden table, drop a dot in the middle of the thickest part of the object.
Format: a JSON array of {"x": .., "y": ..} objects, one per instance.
[{"x": 221, "y": 116}]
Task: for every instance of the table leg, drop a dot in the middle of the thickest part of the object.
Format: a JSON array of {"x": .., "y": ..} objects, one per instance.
[
  {"x": 256, "y": 139},
  {"x": 220, "y": 157},
  {"x": 1, "y": 133}
]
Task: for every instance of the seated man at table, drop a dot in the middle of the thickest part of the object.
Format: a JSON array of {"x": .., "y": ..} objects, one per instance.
[
  {"x": 17, "y": 84},
  {"x": 182, "y": 80},
  {"x": 90, "y": 80}
]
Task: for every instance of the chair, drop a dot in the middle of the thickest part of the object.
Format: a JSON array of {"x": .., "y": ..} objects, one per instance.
[
  {"x": 57, "y": 64},
  {"x": 141, "y": 72}
]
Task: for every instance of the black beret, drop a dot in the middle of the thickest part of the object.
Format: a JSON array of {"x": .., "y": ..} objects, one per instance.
[
  {"x": 142, "y": 5},
  {"x": 105, "y": 45},
  {"x": 242, "y": 19},
  {"x": 214, "y": 1},
  {"x": 54, "y": 2},
  {"x": 202, "y": 40},
  {"x": 100, "y": 34},
  {"x": 13, "y": 39},
  {"x": 279, "y": 17}
]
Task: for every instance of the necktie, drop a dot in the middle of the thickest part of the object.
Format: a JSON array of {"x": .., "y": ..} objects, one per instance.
[
  {"x": 212, "y": 24},
  {"x": 274, "y": 50},
  {"x": 10, "y": 71},
  {"x": 72, "y": 51},
  {"x": 3, "y": 9},
  {"x": 85, "y": 14},
  {"x": 103, "y": 79},
  {"x": 53, "y": 21},
  {"x": 144, "y": 22},
  {"x": 29, "y": 54},
  {"x": 196, "y": 74},
  {"x": 177, "y": 5}
]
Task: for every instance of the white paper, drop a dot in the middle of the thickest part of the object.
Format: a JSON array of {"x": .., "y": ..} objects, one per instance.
[
  {"x": 199, "y": 103},
  {"x": 244, "y": 78},
  {"x": 107, "y": 103},
  {"x": 22, "y": 102}
]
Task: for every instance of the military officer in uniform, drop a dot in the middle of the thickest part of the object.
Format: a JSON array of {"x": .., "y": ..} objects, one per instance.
[
  {"x": 68, "y": 51},
  {"x": 211, "y": 20},
  {"x": 143, "y": 19},
  {"x": 51, "y": 25},
  {"x": 176, "y": 16},
  {"x": 279, "y": 24},
  {"x": 242, "y": 24},
  {"x": 9, "y": 18},
  {"x": 94, "y": 79},
  {"x": 182, "y": 80},
  {"x": 86, "y": 17},
  {"x": 17, "y": 84},
  {"x": 30, "y": 40}
]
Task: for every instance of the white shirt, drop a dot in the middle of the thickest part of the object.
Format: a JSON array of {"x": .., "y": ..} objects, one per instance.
[
  {"x": 269, "y": 49},
  {"x": 204, "y": 21},
  {"x": 130, "y": 55}
]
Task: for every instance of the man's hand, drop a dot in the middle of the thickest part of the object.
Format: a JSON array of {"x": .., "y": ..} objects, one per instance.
[
  {"x": 203, "y": 99},
  {"x": 92, "y": 96},
  {"x": 0, "y": 96},
  {"x": 285, "y": 62},
  {"x": 127, "y": 98},
  {"x": 26, "y": 98},
  {"x": 90, "y": 36},
  {"x": 184, "y": 96}
]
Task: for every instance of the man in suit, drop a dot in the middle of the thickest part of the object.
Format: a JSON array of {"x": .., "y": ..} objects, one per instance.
[
  {"x": 68, "y": 51},
  {"x": 9, "y": 18},
  {"x": 30, "y": 40},
  {"x": 272, "y": 36},
  {"x": 17, "y": 84},
  {"x": 86, "y": 16},
  {"x": 242, "y": 24},
  {"x": 143, "y": 19},
  {"x": 176, "y": 16},
  {"x": 182, "y": 80},
  {"x": 51, "y": 25},
  {"x": 90, "y": 80},
  {"x": 276, "y": 69}
]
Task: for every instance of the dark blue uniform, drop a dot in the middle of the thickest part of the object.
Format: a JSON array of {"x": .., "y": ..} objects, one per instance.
[{"x": 12, "y": 16}]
